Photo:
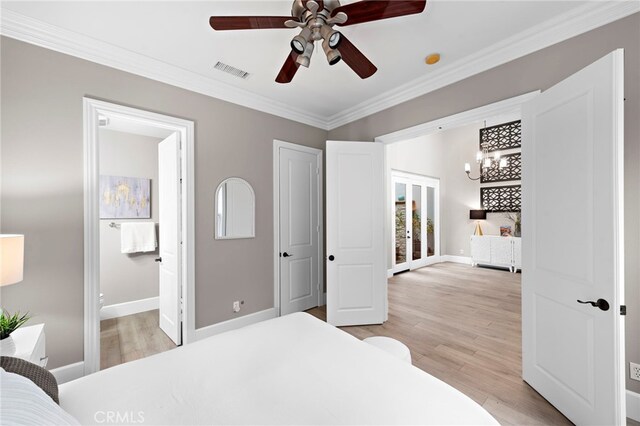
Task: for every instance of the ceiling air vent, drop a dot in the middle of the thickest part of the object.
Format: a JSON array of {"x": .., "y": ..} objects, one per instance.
[{"x": 231, "y": 70}]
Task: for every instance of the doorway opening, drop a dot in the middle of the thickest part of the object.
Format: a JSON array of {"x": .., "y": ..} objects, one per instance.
[
  {"x": 138, "y": 233},
  {"x": 565, "y": 305}
]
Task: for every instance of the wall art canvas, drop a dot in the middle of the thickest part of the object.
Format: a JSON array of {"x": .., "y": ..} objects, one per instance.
[{"x": 125, "y": 197}]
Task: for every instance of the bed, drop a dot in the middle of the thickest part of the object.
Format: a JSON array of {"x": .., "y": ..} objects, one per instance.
[{"x": 294, "y": 369}]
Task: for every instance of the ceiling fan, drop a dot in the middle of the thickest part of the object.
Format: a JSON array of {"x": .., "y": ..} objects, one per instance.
[{"x": 316, "y": 18}]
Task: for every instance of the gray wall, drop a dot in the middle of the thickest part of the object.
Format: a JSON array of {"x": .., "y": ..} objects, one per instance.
[
  {"x": 541, "y": 70},
  {"x": 442, "y": 155},
  {"x": 127, "y": 277},
  {"x": 42, "y": 186}
]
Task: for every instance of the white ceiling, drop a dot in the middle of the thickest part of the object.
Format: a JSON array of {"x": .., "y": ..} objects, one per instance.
[{"x": 178, "y": 34}]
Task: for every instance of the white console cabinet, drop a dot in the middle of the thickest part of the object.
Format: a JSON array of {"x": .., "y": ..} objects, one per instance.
[{"x": 493, "y": 250}]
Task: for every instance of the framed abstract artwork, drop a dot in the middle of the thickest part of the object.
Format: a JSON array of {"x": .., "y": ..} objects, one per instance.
[{"x": 125, "y": 197}]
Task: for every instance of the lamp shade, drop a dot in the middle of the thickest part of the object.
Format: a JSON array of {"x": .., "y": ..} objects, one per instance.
[
  {"x": 11, "y": 258},
  {"x": 477, "y": 214}
]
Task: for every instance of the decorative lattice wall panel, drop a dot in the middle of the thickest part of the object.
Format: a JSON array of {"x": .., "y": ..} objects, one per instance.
[
  {"x": 501, "y": 198},
  {"x": 502, "y": 136},
  {"x": 513, "y": 171}
]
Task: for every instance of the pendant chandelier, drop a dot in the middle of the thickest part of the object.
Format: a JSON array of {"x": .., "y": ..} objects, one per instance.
[{"x": 486, "y": 160}]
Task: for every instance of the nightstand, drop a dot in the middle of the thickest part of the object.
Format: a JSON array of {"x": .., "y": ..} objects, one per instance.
[{"x": 30, "y": 344}]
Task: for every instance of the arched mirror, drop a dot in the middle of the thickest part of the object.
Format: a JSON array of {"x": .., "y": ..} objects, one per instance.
[{"x": 235, "y": 209}]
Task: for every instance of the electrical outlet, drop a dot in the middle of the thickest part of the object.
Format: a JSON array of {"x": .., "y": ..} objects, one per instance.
[
  {"x": 236, "y": 306},
  {"x": 634, "y": 371},
  {"x": 461, "y": 251}
]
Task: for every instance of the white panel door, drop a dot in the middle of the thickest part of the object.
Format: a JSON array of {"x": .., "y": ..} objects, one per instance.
[
  {"x": 356, "y": 275},
  {"x": 573, "y": 244},
  {"x": 169, "y": 225},
  {"x": 299, "y": 230}
]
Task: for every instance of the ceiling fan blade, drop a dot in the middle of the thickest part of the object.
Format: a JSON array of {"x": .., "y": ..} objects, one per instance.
[
  {"x": 356, "y": 59},
  {"x": 374, "y": 10},
  {"x": 289, "y": 69},
  {"x": 247, "y": 22}
]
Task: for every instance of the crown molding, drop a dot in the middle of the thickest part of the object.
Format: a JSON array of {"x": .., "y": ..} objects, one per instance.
[
  {"x": 562, "y": 27},
  {"x": 39, "y": 33},
  {"x": 574, "y": 22}
]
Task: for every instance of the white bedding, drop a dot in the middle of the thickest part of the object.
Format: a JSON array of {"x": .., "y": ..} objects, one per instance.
[{"x": 290, "y": 370}]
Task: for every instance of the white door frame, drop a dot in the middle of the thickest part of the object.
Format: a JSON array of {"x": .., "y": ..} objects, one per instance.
[
  {"x": 277, "y": 144},
  {"x": 92, "y": 110},
  {"x": 424, "y": 182}
]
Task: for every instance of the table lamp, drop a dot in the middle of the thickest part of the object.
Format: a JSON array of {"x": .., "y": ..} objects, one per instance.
[
  {"x": 478, "y": 215},
  {"x": 11, "y": 258},
  {"x": 11, "y": 272}
]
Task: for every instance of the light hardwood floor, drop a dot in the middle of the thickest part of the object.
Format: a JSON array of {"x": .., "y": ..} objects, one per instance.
[
  {"x": 462, "y": 325},
  {"x": 131, "y": 337}
]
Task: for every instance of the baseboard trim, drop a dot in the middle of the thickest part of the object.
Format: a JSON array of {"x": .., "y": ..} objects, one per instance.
[
  {"x": 67, "y": 373},
  {"x": 633, "y": 405},
  {"x": 129, "y": 308},
  {"x": 456, "y": 259},
  {"x": 232, "y": 324}
]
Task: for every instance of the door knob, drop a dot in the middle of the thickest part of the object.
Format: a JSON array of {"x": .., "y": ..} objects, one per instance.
[
  {"x": 158, "y": 259},
  {"x": 600, "y": 303},
  {"x": 331, "y": 257},
  {"x": 285, "y": 254}
]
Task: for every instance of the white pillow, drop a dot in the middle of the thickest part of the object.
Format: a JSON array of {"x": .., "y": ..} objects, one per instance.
[{"x": 24, "y": 403}]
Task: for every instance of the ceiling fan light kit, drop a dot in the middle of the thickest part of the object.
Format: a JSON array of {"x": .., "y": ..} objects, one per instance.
[
  {"x": 333, "y": 55},
  {"x": 316, "y": 19}
]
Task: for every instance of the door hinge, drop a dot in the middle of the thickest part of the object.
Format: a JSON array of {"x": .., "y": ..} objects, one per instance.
[{"x": 623, "y": 309}]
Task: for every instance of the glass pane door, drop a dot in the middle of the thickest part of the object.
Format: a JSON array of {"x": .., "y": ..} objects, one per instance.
[
  {"x": 431, "y": 221},
  {"x": 416, "y": 222},
  {"x": 401, "y": 222}
]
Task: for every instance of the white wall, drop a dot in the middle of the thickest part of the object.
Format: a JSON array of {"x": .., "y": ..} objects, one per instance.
[
  {"x": 442, "y": 155},
  {"x": 127, "y": 277}
]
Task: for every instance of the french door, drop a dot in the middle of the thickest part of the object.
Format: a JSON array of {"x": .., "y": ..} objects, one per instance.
[{"x": 415, "y": 216}]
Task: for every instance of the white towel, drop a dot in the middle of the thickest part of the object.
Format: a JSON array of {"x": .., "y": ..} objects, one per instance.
[{"x": 137, "y": 237}]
